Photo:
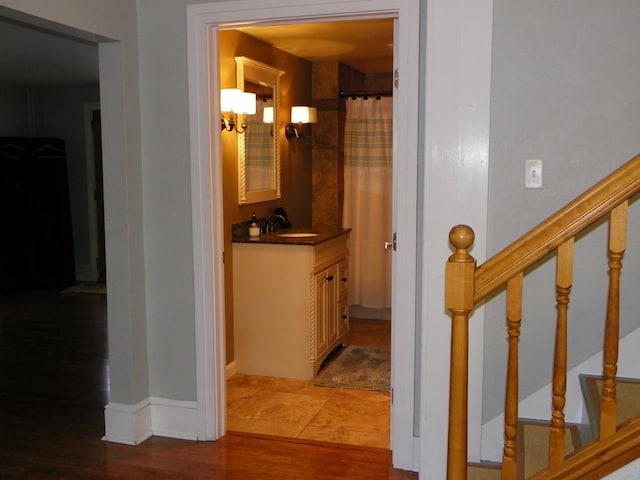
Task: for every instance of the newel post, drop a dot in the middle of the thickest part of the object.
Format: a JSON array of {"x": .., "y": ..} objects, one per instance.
[{"x": 459, "y": 292}]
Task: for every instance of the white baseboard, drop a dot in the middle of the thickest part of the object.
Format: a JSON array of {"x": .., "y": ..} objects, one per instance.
[
  {"x": 133, "y": 424},
  {"x": 128, "y": 424},
  {"x": 86, "y": 273},
  {"x": 230, "y": 370},
  {"x": 174, "y": 418},
  {"x": 371, "y": 313},
  {"x": 630, "y": 471}
]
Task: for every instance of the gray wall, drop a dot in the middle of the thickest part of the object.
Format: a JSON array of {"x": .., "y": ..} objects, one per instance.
[
  {"x": 59, "y": 112},
  {"x": 113, "y": 24},
  {"x": 14, "y": 116},
  {"x": 565, "y": 79},
  {"x": 162, "y": 31}
]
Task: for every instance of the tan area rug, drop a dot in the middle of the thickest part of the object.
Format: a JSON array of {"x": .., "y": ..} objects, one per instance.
[
  {"x": 358, "y": 368},
  {"x": 483, "y": 472},
  {"x": 533, "y": 444},
  {"x": 87, "y": 288}
]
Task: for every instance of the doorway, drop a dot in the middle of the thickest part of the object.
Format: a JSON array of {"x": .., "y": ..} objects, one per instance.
[
  {"x": 204, "y": 21},
  {"x": 294, "y": 408}
]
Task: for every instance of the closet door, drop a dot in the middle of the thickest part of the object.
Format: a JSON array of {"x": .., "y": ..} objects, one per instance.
[
  {"x": 14, "y": 207},
  {"x": 36, "y": 249}
]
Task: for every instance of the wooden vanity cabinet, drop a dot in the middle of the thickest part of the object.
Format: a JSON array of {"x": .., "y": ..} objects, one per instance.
[{"x": 290, "y": 306}]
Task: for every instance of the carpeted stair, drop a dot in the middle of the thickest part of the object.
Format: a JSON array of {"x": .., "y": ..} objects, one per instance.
[{"x": 533, "y": 435}]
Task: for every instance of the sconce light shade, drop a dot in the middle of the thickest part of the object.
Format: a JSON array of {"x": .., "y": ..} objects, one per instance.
[
  {"x": 247, "y": 103},
  {"x": 301, "y": 118},
  {"x": 267, "y": 115},
  {"x": 229, "y": 98},
  {"x": 302, "y": 114},
  {"x": 236, "y": 101}
]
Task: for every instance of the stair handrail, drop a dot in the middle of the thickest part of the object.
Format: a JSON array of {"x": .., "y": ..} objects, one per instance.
[{"x": 467, "y": 284}]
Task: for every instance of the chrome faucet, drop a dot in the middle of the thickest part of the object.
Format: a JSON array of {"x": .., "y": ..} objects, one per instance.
[{"x": 275, "y": 223}]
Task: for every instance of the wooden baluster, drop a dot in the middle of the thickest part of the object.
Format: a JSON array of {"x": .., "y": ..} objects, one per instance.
[
  {"x": 617, "y": 245},
  {"x": 514, "y": 316},
  {"x": 564, "y": 279},
  {"x": 459, "y": 292}
]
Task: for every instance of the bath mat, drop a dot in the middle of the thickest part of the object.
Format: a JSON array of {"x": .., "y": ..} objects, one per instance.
[{"x": 358, "y": 368}]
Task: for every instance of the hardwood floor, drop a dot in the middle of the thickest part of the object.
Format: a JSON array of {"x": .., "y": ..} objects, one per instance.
[{"x": 53, "y": 389}]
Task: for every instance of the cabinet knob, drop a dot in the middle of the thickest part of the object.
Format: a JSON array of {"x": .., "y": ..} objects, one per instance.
[
  {"x": 344, "y": 279},
  {"x": 330, "y": 278},
  {"x": 344, "y": 317}
]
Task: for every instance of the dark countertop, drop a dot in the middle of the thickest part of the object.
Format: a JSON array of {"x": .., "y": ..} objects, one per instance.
[{"x": 324, "y": 234}]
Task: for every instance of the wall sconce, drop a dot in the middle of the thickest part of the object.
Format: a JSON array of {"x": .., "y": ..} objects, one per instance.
[
  {"x": 301, "y": 120},
  {"x": 267, "y": 115},
  {"x": 235, "y": 101}
]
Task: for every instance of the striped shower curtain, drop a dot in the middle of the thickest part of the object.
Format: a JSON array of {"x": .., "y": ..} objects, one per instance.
[
  {"x": 259, "y": 151},
  {"x": 368, "y": 199}
]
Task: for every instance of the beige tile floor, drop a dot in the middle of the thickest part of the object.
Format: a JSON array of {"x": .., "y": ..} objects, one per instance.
[{"x": 298, "y": 409}]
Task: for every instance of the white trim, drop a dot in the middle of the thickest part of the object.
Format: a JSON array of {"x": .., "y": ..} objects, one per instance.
[
  {"x": 174, "y": 418},
  {"x": 206, "y": 191},
  {"x": 631, "y": 471},
  {"x": 90, "y": 272},
  {"x": 207, "y": 210},
  {"x": 128, "y": 424},
  {"x": 231, "y": 369},
  {"x": 455, "y": 184},
  {"x": 86, "y": 273},
  {"x": 133, "y": 424},
  {"x": 358, "y": 311}
]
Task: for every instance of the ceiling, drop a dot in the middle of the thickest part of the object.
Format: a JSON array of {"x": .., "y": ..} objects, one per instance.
[
  {"x": 365, "y": 45},
  {"x": 37, "y": 58}
]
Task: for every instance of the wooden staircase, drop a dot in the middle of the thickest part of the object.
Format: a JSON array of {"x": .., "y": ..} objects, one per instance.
[
  {"x": 534, "y": 434},
  {"x": 615, "y": 443}
]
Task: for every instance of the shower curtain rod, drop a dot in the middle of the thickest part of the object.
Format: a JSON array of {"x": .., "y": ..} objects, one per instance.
[{"x": 365, "y": 94}]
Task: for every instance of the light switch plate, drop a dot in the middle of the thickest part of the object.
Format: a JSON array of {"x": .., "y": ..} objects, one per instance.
[{"x": 533, "y": 174}]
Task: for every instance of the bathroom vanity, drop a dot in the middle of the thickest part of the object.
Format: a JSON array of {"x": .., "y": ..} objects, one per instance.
[{"x": 290, "y": 301}]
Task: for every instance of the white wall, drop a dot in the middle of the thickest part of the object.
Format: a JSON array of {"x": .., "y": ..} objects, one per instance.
[{"x": 565, "y": 90}]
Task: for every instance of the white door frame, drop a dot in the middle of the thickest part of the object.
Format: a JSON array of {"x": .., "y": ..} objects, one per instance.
[
  {"x": 90, "y": 271},
  {"x": 206, "y": 178}
]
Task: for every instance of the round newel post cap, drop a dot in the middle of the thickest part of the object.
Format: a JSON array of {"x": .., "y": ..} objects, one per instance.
[{"x": 461, "y": 237}]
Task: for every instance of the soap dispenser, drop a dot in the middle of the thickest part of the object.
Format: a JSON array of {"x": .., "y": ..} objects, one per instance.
[{"x": 254, "y": 227}]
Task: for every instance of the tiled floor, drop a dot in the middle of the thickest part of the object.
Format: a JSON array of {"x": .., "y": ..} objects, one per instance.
[{"x": 298, "y": 409}]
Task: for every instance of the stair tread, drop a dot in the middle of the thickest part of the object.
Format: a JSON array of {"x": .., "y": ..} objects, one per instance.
[
  {"x": 533, "y": 446},
  {"x": 627, "y": 395},
  {"x": 483, "y": 471}
]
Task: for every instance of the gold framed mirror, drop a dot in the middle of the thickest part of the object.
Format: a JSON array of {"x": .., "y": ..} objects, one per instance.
[{"x": 259, "y": 145}]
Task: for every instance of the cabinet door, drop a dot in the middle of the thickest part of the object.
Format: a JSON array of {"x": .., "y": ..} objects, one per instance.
[
  {"x": 343, "y": 275},
  {"x": 326, "y": 309},
  {"x": 320, "y": 307},
  {"x": 343, "y": 313},
  {"x": 331, "y": 297}
]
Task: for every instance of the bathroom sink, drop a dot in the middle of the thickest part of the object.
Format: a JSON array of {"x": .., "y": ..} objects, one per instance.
[{"x": 297, "y": 234}]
